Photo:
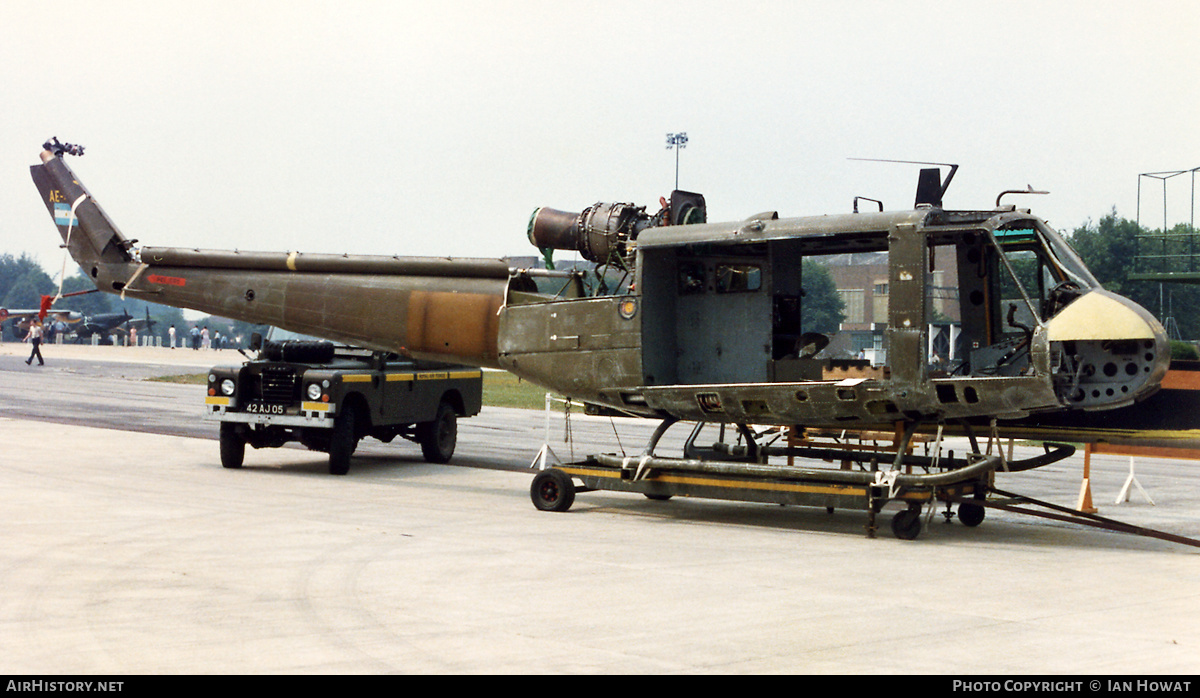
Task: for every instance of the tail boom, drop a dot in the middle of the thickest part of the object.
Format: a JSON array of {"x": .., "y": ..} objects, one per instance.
[{"x": 435, "y": 308}]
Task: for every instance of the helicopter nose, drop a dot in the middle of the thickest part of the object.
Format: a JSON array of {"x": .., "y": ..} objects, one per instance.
[{"x": 1113, "y": 351}]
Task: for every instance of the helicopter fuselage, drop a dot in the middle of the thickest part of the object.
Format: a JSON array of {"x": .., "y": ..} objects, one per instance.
[{"x": 706, "y": 322}]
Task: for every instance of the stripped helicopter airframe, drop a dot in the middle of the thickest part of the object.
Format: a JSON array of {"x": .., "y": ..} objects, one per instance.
[{"x": 684, "y": 320}]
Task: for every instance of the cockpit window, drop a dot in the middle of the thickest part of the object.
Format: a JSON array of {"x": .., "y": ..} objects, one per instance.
[
  {"x": 1037, "y": 261},
  {"x": 1063, "y": 260},
  {"x": 1021, "y": 278},
  {"x": 738, "y": 278},
  {"x": 1067, "y": 259}
]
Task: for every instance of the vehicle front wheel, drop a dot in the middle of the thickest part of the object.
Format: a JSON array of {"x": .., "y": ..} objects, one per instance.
[
  {"x": 233, "y": 446},
  {"x": 343, "y": 440},
  {"x": 439, "y": 437}
]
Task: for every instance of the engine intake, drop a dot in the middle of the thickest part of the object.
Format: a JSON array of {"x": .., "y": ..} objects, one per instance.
[{"x": 603, "y": 231}]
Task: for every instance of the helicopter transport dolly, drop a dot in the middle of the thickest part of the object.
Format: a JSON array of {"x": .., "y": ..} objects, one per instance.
[{"x": 865, "y": 480}]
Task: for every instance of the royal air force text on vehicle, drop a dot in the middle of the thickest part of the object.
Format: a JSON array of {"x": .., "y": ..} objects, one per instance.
[{"x": 1015, "y": 686}]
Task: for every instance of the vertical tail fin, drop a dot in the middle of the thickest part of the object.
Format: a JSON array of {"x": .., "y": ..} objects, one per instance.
[{"x": 88, "y": 233}]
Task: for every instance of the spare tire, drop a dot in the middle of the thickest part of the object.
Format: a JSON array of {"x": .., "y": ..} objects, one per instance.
[{"x": 299, "y": 351}]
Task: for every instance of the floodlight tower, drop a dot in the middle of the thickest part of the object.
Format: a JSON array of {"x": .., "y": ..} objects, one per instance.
[{"x": 678, "y": 141}]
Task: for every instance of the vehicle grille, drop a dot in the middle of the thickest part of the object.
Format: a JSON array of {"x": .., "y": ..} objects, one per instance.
[{"x": 277, "y": 384}]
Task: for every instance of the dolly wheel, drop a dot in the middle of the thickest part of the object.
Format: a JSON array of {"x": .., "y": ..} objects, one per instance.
[
  {"x": 971, "y": 514},
  {"x": 552, "y": 490},
  {"x": 907, "y": 524}
]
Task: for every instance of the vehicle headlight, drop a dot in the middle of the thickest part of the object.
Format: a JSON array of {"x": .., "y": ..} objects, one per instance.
[
  {"x": 314, "y": 391},
  {"x": 227, "y": 386}
]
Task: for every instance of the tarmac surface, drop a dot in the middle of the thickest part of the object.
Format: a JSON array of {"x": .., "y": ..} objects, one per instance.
[{"x": 129, "y": 550}]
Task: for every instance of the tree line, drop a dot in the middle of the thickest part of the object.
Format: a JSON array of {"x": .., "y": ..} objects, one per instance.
[
  {"x": 1116, "y": 248},
  {"x": 23, "y": 282}
]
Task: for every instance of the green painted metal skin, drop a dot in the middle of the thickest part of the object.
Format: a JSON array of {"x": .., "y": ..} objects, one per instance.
[{"x": 701, "y": 327}]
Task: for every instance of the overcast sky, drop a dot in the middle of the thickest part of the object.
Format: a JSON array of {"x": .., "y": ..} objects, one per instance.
[{"x": 436, "y": 128}]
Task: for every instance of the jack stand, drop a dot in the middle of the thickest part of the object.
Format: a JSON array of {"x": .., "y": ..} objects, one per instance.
[
  {"x": 546, "y": 451},
  {"x": 1084, "y": 504},
  {"x": 1132, "y": 481},
  {"x": 545, "y": 458},
  {"x": 871, "y": 527}
]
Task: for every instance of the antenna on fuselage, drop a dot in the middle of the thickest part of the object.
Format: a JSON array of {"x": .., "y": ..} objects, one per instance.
[{"x": 930, "y": 187}]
